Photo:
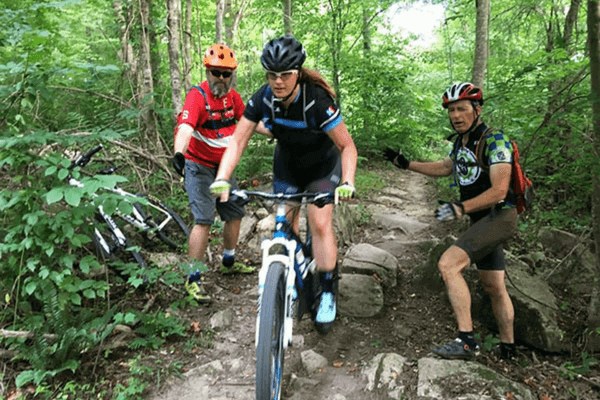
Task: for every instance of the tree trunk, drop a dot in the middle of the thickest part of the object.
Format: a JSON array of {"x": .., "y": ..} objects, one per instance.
[
  {"x": 187, "y": 46},
  {"x": 236, "y": 20},
  {"x": 335, "y": 44},
  {"x": 126, "y": 53},
  {"x": 593, "y": 23},
  {"x": 219, "y": 21},
  {"x": 366, "y": 35},
  {"x": 146, "y": 82},
  {"x": 481, "y": 42},
  {"x": 173, "y": 25},
  {"x": 287, "y": 17}
]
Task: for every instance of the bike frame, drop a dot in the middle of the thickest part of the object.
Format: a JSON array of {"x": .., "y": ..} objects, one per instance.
[
  {"x": 135, "y": 218},
  {"x": 281, "y": 238}
]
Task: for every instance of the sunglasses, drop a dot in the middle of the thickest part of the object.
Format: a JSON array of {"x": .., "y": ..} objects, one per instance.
[
  {"x": 284, "y": 75},
  {"x": 218, "y": 74}
]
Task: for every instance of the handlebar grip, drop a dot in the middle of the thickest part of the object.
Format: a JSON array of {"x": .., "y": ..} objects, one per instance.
[
  {"x": 85, "y": 158},
  {"x": 93, "y": 151}
]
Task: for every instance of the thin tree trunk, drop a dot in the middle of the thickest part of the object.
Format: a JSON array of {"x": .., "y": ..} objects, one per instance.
[
  {"x": 481, "y": 42},
  {"x": 366, "y": 35},
  {"x": 187, "y": 46},
  {"x": 126, "y": 54},
  {"x": 219, "y": 21},
  {"x": 237, "y": 19},
  {"x": 335, "y": 44},
  {"x": 173, "y": 21},
  {"x": 287, "y": 17},
  {"x": 146, "y": 82},
  {"x": 593, "y": 22}
]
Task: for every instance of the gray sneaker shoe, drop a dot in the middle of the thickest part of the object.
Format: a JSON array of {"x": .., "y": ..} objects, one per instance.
[{"x": 456, "y": 350}]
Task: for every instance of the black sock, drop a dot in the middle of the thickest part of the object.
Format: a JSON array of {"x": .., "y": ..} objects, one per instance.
[
  {"x": 468, "y": 338},
  {"x": 327, "y": 281},
  {"x": 507, "y": 350}
]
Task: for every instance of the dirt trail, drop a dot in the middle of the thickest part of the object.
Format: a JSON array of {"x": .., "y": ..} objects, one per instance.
[{"x": 411, "y": 323}]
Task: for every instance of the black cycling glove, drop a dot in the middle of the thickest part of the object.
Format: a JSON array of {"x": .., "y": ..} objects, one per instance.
[
  {"x": 396, "y": 158},
  {"x": 178, "y": 162}
]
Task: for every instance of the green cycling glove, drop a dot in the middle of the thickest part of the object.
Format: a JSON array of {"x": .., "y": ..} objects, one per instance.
[
  {"x": 344, "y": 192},
  {"x": 219, "y": 187}
]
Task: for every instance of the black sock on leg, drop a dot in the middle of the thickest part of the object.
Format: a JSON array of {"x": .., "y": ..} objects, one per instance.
[
  {"x": 327, "y": 281},
  {"x": 507, "y": 350},
  {"x": 468, "y": 338}
]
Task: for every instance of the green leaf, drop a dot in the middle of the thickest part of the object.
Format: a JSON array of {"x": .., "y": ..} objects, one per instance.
[
  {"x": 24, "y": 378},
  {"x": 30, "y": 287},
  {"x": 54, "y": 195},
  {"x": 89, "y": 294},
  {"x": 62, "y": 174},
  {"x": 75, "y": 299},
  {"x": 51, "y": 170},
  {"x": 73, "y": 196}
]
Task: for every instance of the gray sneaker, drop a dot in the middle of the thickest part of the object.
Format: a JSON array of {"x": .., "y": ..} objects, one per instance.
[{"x": 456, "y": 350}]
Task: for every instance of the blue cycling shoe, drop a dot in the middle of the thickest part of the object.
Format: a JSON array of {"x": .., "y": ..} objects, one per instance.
[{"x": 325, "y": 313}]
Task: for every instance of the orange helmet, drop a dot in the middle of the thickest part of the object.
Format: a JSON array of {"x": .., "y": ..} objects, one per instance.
[{"x": 220, "y": 56}]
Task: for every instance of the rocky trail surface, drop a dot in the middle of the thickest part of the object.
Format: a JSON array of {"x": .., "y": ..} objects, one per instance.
[{"x": 384, "y": 354}]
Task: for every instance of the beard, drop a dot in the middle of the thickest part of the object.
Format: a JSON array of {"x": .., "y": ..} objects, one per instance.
[{"x": 220, "y": 88}]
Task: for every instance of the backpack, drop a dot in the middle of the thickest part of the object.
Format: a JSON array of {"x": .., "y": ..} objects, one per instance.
[
  {"x": 521, "y": 185},
  {"x": 206, "y": 106}
]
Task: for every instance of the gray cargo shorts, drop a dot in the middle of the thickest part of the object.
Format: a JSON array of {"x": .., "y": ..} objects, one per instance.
[{"x": 203, "y": 204}]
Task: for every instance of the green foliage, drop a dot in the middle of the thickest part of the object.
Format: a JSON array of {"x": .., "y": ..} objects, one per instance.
[
  {"x": 49, "y": 280},
  {"x": 489, "y": 342},
  {"x": 573, "y": 371}
]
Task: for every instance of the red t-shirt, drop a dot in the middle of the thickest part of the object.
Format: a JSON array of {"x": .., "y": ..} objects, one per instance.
[{"x": 213, "y": 132}]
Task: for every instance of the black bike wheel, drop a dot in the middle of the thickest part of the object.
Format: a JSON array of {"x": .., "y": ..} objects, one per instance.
[
  {"x": 269, "y": 349},
  {"x": 169, "y": 226}
]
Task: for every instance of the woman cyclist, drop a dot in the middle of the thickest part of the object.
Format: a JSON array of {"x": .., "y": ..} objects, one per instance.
[{"x": 314, "y": 151}]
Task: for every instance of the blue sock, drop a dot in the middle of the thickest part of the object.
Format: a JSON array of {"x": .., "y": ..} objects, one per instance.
[{"x": 228, "y": 257}]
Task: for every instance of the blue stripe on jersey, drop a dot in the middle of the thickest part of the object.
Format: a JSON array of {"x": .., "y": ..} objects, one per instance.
[
  {"x": 291, "y": 123},
  {"x": 332, "y": 124}
]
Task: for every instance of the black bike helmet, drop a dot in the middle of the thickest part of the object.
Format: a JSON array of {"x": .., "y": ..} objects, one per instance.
[{"x": 283, "y": 54}]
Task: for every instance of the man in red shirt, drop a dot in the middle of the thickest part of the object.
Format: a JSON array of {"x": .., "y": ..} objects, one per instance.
[{"x": 204, "y": 129}]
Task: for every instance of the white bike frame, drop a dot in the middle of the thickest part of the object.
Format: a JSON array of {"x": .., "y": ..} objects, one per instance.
[{"x": 287, "y": 260}]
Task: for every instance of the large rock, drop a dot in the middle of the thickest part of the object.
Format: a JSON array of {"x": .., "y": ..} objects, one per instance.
[
  {"x": 465, "y": 380},
  {"x": 384, "y": 372},
  {"x": 359, "y": 296},
  {"x": 392, "y": 219},
  {"x": 366, "y": 259},
  {"x": 535, "y": 309}
]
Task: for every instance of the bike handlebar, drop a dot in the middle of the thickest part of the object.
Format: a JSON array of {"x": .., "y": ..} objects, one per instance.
[
  {"x": 85, "y": 158},
  {"x": 320, "y": 199}
]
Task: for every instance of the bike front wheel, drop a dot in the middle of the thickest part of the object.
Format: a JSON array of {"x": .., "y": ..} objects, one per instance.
[
  {"x": 168, "y": 226},
  {"x": 269, "y": 348}
]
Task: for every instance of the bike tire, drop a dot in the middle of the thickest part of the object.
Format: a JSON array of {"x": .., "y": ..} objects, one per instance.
[
  {"x": 269, "y": 348},
  {"x": 175, "y": 233}
]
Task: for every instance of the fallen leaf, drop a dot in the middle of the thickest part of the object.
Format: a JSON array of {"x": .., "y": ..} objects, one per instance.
[
  {"x": 195, "y": 327},
  {"x": 545, "y": 397},
  {"x": 509, "y": 396},
  {"x": 338, "y": 363}
]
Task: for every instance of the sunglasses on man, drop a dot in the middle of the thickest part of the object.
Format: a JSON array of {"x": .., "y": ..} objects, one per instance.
[{"x": 217, "y": 74}]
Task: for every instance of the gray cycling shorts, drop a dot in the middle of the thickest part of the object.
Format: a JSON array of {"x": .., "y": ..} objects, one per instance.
[
  {"x": 484, "y": 239},
  {"x": 203, "y": 205}
]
